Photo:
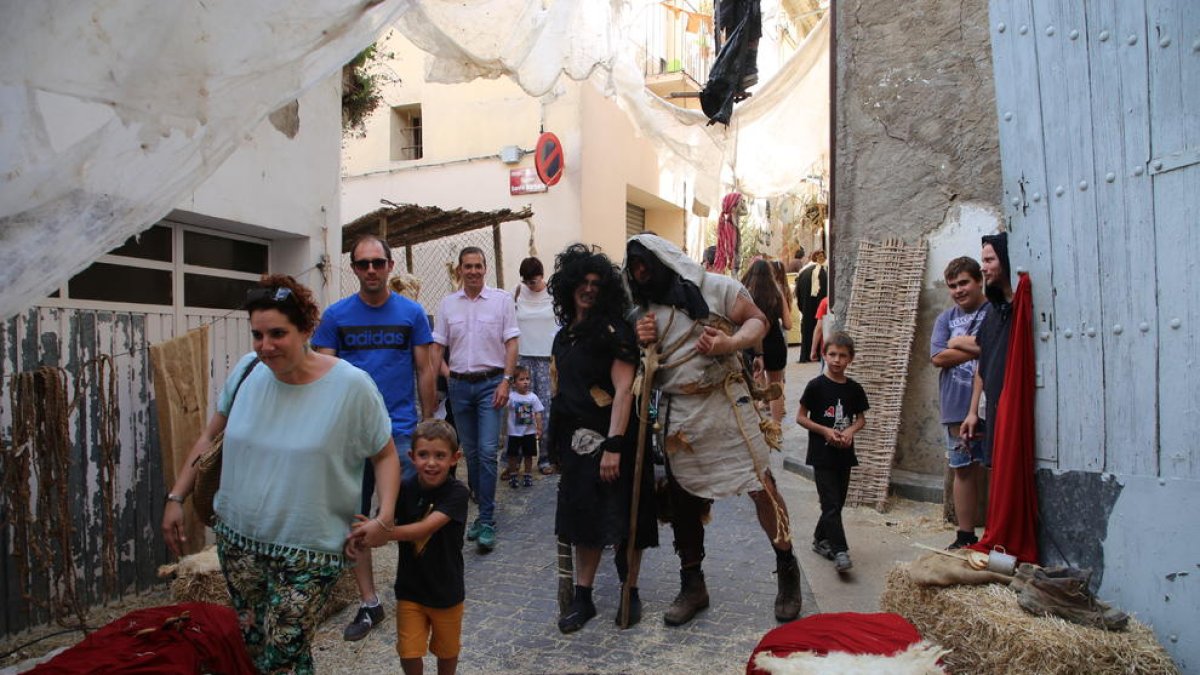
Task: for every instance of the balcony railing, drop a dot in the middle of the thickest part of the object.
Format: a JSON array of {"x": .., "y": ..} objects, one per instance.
[{"x": 677, "y": 40}]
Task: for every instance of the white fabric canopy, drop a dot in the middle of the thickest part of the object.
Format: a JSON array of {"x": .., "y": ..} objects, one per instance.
[
  {"x": 175, "y": 84},
  {"x": 172, "y": 87},
  {"x": 772, "y": 139}
]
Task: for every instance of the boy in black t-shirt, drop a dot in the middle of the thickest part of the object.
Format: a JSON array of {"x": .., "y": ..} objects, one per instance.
[
  {"x": 431, "y": 516},
  {"x": 833, "y": 410}
]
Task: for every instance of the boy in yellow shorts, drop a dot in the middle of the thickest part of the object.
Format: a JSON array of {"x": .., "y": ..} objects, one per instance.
[{"x": 431, "y": 516}]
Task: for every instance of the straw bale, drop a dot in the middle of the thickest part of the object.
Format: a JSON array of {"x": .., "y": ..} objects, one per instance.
[
  {"x": 198, "y": 578},
  {"x": 882, "y": 319},
  {"x": 988, "y": 632}
]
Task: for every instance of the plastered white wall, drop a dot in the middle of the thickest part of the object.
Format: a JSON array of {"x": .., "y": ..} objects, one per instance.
[
  {"x": 479, "y": 186},
  {"x": 466, "y": 125},
  {"x": 286, "y": 190},
  {"x": 921, "y": 446},
  {"x": 274, "y": 187},
  {"x": 959, "y": 235}
]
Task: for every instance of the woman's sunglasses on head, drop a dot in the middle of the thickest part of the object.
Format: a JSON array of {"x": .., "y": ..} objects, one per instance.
[{"x": 270, "y": 294}]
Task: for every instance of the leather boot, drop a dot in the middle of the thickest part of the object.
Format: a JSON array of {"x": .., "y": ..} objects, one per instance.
[
  {"x": 787, "y": 601},
  {"x": 1064, "y": 592},
  {"x": 693, "y": 597}
]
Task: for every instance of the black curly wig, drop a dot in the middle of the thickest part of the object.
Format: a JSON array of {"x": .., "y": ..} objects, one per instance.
[{"x": 571, "y": 267}]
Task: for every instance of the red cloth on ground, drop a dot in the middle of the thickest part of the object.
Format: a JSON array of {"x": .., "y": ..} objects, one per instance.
[
  {"x": 881, "y": 634},
  {"x": 1012, "y": 500},
  {"x": 208, "y": 641}
]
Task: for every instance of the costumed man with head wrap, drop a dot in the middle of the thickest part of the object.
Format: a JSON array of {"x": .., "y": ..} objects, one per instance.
[{"x": 700, "y": 323}]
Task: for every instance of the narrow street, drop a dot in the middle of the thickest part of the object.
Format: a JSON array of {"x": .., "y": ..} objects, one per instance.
[{"x": 510, "y": 622}]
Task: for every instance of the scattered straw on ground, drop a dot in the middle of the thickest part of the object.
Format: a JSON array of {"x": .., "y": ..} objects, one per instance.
[{"x": 989, "y": 633}]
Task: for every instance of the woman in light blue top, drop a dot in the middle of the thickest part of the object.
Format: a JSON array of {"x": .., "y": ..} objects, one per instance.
[{"x": 296, "y": 436}]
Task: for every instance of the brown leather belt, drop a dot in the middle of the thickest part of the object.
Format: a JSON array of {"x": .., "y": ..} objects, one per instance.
[{"x": 477, "y": 376}]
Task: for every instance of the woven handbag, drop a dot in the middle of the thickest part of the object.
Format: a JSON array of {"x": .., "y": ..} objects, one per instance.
[
  {"x": 208, "y": 481},
  {"x": 208, "y": 466}
]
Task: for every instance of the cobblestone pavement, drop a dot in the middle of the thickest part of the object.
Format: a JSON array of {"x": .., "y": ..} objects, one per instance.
[
  {"x": 511, "y": 608},
  {"x": 510, "y": 625}
]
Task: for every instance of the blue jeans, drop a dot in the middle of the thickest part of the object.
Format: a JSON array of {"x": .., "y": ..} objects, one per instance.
[
  {"x": 478, "y": 427},
  {"x": 407, "y": 470}
]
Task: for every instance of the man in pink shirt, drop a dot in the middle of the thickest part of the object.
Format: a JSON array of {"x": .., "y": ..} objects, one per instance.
[{"x": 478, "y": 324}]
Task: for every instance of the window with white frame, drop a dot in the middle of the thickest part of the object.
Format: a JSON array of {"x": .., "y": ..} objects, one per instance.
[
  {"x": 172, "y": 265},
  {"x": 406, "y": 137}
]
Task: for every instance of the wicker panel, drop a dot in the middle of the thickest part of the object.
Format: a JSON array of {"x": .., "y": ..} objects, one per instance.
[{"x": 882, "y": 320}]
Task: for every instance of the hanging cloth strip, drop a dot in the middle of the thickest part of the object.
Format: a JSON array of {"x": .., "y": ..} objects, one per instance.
[{"x": 727, "y": 232}]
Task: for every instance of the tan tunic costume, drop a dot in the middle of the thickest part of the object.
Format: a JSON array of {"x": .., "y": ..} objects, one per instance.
[{"x": 715, "y": 444}]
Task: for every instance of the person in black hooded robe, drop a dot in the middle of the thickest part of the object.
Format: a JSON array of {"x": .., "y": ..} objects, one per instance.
[
  {"x": 993, "y": 340},
  {"x": 698, "y": 322}
]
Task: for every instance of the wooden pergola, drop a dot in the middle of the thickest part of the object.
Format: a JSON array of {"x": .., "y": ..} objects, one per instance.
[{"x": 406, "y": 225}]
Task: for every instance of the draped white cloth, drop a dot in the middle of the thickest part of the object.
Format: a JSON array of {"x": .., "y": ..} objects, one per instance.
[{"x": 174, "y": 85}]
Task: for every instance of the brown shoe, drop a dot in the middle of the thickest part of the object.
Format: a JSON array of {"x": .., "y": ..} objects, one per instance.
[
  {"x": 1064, "y": 592},
  {"x": 693, "y": 597}
]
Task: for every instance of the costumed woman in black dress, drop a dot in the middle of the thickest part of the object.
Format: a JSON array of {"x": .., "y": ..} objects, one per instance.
[{"x": 594, "y": 360}]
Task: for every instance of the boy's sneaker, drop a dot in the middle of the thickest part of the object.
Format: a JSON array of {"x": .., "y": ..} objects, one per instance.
[
  {"x": 513, "y": 482},
  {"x": 823, "y": 548},
  {"x": 841, "y": 561},
  {"x": 363, "y": 622},
  {"x": 528, "y": 480},
  {"x": 473, "y": 530},
  {"x": 487, "y": 538}
]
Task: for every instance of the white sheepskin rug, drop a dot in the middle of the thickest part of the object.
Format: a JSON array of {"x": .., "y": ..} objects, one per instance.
[{"x": 919, "y": 659}]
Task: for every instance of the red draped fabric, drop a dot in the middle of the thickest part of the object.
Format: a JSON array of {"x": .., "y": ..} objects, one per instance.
[
  {"x": 727, "y": 233},
  {"x": 881, "y": 634},
  {"x": 1012, "y": 501},
  {"x": 160, "y": 641}
]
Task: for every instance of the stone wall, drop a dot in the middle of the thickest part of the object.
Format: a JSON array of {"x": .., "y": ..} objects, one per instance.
[{"x": 915, "y": 139}]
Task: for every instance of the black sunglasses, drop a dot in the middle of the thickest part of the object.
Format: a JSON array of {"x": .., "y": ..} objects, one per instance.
[
  {"x": 271, "y": 294},
  {"x": 365, "y": 263}
]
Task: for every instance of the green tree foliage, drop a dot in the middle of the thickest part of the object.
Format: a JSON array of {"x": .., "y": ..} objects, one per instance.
[{"x": 360, "y": 91}]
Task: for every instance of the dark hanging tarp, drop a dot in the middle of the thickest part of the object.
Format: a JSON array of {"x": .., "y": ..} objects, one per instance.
[{"x": 736, "y": 66}]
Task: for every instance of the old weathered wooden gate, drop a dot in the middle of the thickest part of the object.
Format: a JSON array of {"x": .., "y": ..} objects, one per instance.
[
  {"x": 107, "y": 563},
  {"x": 1099, "y": 117},
  {"x": 1099, "y": 106}
]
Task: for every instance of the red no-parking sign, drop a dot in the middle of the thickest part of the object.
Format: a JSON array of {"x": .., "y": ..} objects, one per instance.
[{"x": 548, "y": 158}]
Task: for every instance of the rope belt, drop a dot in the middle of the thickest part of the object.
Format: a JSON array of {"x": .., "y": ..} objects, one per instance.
[{"x": 653, "y": 362}]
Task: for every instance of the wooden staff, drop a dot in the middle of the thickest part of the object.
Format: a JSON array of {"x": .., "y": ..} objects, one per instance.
[
  {"x": 566, "y": 576},
  {"x": 649, "y": 367}
]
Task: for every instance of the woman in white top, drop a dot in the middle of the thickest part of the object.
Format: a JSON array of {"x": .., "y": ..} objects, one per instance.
[{"x": 535, "y": 317}]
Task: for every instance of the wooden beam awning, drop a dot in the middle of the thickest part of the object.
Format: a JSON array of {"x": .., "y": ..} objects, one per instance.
[{"x": 410, "y": 224}]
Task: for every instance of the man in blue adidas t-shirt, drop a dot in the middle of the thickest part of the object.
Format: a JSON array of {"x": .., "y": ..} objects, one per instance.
[{"x": 387, "y": 335}]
